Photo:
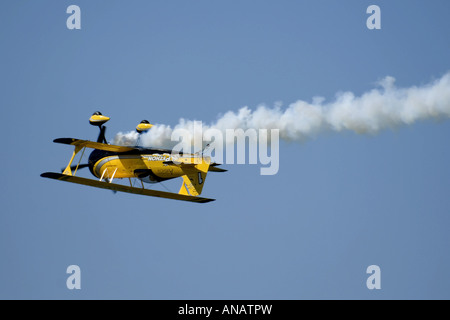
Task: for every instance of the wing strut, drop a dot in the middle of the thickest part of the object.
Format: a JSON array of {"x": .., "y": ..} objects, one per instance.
[{"x": 68, "y": 171}]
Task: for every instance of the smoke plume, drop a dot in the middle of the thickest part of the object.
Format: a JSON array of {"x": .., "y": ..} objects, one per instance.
[{"x": 385, "y": 106}]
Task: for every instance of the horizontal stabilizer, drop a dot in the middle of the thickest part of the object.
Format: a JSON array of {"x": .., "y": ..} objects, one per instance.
[
  {"x": 215, "y": 169},
  {"x": 123, "y": 188}
]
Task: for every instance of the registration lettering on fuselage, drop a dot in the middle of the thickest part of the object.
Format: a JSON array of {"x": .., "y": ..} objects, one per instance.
[{"x": 158, "y": 157}]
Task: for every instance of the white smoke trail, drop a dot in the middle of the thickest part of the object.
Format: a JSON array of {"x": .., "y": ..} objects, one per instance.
[{"x": 378, "y": 109}]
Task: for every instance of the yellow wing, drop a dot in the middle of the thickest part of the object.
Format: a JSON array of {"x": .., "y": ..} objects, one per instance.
[
  {"x": 94, "y": 145},
  {"x": 123, "y": 188}
]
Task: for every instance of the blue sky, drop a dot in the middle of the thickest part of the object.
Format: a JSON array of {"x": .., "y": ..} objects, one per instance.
[{"x": 340, "y": 202}]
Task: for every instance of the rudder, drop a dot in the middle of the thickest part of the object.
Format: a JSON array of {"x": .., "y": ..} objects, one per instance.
[{"x": 194, "y": 178}]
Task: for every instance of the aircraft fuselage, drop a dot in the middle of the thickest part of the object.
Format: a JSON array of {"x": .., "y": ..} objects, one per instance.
[{"x": 149, "y": 165}]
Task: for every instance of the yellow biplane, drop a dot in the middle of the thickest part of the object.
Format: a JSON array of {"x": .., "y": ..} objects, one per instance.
[{"x": 108, "y": 162}]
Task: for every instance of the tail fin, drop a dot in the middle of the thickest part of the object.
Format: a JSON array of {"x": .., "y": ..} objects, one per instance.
[{"x": 194, "y": 177}]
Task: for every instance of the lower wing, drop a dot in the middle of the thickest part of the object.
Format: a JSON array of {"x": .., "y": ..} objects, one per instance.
[{"x": 123, "y": 188}]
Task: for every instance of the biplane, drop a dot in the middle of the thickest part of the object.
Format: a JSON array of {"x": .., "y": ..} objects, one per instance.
[{"x": 136, "y": 164}]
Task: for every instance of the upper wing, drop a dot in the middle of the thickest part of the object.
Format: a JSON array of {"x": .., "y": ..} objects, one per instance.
[{"x": 93, "y": 145}]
